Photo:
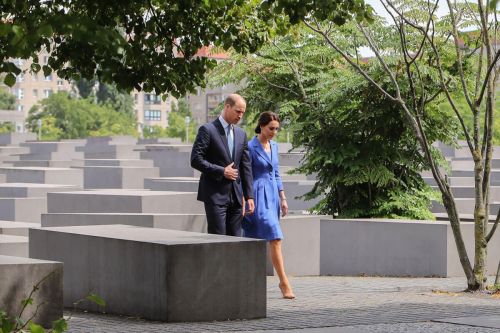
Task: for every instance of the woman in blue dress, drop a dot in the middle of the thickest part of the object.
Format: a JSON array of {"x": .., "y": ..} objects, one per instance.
[{"x": 269, "y": 196}]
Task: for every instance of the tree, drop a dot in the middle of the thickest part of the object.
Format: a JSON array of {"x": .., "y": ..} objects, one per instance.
[
  {"x": 177, "y": 121},
  {"x": 450, "y": 61},
  {"x": 64, "y": 117},
  {"x": 7, "y": 127},
  {"x": 146, "y": 45},
  {"x": 7, "y": 100},
  {"x": 365, "y": 159}
]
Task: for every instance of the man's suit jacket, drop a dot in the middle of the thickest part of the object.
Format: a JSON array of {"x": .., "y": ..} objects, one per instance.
[{"x": 210, "y": 155}]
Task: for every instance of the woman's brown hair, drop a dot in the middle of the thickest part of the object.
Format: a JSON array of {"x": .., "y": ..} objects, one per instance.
[{"x": 265, "y": 118}]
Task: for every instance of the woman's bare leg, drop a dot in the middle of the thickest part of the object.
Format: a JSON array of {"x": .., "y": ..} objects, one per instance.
[{"x": 277, "y": 260}]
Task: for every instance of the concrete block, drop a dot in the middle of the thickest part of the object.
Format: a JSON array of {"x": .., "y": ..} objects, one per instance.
[
  {"x": 16, "y": 138},
  {"x": 183, "y": 222},
  {"x": 290, "y": 159},
  {"x": 25, "y": 190},
  {"x": 22, "y": 209},
  {"x": 16, "y": 228},
  {"x": 464, "y": 206},
  {"x": 301, "y": 244},
  {"x": 66, "y": 176},
  {"x": 180, "y": 184},
  {"x": 49, "y": 156},
  {"x": 11, "y": 150},
  {"x": 11, "y": 245},
  {"x": 150, "y": 141},
  {"x": 110, "y": 152},
  {"x": 158, "y": 274},
  {"x": 19, "y": 275},
  {"x": 114, "y": 162},
  {"x": 117, "y": 176},
  {"x": 120, "y": 201},
  {"x": 396, "y": 248},
  {"x": 41, "y": 163},
  {"x": 41, "y": 147},
  {"x": 293, "y": 189},
  {"x": 111, "y": 140},
  {"x": 173, "y": 161}
]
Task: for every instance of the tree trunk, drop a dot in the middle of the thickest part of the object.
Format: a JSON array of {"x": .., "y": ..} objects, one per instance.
[
  {"x": 497, "y": 278},
  {"x": 480, "y": 244},
  {"x": 451, "y": 209}
]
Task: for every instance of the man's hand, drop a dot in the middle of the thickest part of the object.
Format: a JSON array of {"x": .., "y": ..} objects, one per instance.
[
  {"x": 251, "y": 207},
  {"x": 230, "y": 172}
]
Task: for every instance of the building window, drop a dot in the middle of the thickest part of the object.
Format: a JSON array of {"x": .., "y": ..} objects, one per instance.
[
  {"x": 20, "y": 77},
  {"x": 59, "y": 83},
  {"x": 20, "y": 93},
  {"x": 45, "y": 60},
  {"x": 152, "y": 99},
  {"x": 20, "y": 107},
  {"x": 35, "y": 92},
  {"x": 47, "y": 93},
  {"x": 48, "y": 77},
  {"x": 34, "y": 76},
  {"x": 154, "y": 115}
]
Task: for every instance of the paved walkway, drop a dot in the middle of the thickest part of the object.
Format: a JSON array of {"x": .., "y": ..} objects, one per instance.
[{"x": 336, "y": 305}]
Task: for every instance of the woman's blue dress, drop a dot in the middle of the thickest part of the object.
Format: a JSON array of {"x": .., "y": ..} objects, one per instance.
[{"x": 264, "y": 223}]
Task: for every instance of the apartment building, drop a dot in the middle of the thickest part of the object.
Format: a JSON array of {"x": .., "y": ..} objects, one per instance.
[
  {"x": 151, "y": 109},
  {"x": 30, "y": 88}
]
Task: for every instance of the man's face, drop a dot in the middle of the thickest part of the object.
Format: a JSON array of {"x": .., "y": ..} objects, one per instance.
[{"x": 233, "y": 114}]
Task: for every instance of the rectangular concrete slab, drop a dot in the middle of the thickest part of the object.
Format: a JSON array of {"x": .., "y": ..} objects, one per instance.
[
  {"x": 158, "y": 274},
  {"x": 184, "y": 222},
  {"x": 22, "y": 209},
  {"x": 396, "y": 248},
  {"x": 121, "y": 201},
  {"x": 16, "y": 246},
  {"x": 24, "y": 190},
  {"x": 16, "y": 138},
  {"x": 67, "y": 176},
  {"x": 19, "y": 275},
  {"x": 16, "y": 228},
  {"x": 97, "y": 177}
]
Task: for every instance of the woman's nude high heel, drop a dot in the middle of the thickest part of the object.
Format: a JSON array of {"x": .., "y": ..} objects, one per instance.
[{"x": 286, "y": 291}]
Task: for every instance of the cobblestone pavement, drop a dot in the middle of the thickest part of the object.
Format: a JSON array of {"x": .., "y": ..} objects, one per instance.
[{"x": 335, "y": 304}]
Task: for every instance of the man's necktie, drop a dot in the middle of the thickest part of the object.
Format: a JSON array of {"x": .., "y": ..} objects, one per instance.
[{"x": 230, "y": 139}]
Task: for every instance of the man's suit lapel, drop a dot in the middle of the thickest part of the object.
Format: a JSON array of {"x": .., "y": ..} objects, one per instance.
[
  {"x": 223, "y": 137},
  {"x": 260, "y": 150}
]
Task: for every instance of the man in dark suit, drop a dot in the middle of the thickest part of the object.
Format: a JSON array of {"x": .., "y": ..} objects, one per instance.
[{"x": 220, "y": 153}]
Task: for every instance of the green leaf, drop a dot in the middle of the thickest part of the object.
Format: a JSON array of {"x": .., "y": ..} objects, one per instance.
[
  {"x": 60, "y": 326},
  {"x": 493, "y": 4},
  {"x": 45, "y": 30},
  {"x": 10, "y": 79},
  {"x": 34, "y": 328},
  {"x": 27, "y": 301},
  {"x": 46, "y": 70},
  {"x": 96, "y": 299},
  {"x": 5, "y": 29}
]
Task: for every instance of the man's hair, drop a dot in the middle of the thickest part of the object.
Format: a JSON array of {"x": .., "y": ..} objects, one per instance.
[{"x": 232, "y": 99}]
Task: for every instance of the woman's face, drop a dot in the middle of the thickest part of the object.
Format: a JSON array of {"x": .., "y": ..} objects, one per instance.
[{"x": 270, "y": 130}]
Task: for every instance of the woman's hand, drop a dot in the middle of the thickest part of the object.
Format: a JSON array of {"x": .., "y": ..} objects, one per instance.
[{"x": 284, "y": 207}]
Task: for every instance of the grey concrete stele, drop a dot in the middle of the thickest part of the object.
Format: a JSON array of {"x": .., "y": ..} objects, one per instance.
[
  {"x": 158, "y": 274},
  {"x": 184, "y": 222},
  {"x": 396, "y": 248},
  {"x": 124, "y": 201},
  {"x": 65, "y": 176},
  {"x": 19, "y": 275}
]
